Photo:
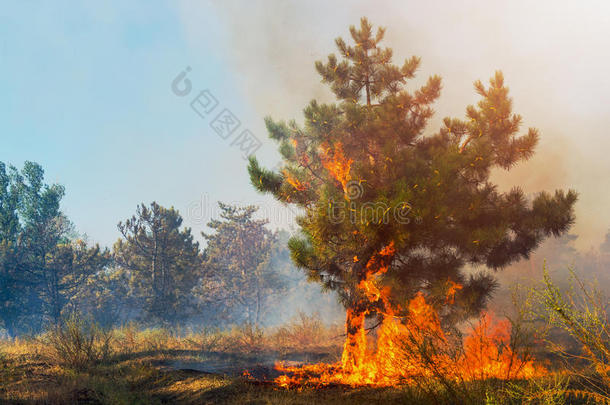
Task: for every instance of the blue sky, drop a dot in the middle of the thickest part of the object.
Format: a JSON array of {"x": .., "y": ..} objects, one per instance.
[{"x": 85, "y": 92}]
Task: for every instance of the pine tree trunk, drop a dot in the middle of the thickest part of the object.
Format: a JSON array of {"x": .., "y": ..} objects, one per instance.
[{"x": 354, "y": 349}]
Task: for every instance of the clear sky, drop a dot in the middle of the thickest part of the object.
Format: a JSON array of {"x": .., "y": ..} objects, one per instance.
[{"x": 86, "y": 92}]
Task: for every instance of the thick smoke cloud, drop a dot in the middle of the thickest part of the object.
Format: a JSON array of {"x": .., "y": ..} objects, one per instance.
[{"x": 553, "y": 55}]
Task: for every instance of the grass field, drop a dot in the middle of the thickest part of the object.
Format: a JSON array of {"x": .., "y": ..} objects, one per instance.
[{"x": 129, "y": 366}]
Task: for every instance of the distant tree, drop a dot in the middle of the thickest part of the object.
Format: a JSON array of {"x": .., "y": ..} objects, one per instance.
[
  {"x": 164, "y": 262},
  {"x": 240, "y": 280},
  {"x": 69, "y": 266},
  {"x": 107, "y": 298},
  {"x": 604, "y": 248},
  {"x": 299, "y": 295},
  {"x": 44, "y": 227},
  {"x": 439, "y": 208},
  {"x": 556, "y": 255},
  {"x": 595, "y": 264},
  {"x": 11, "y": 271},
  {"x": 40, "y": 265}
]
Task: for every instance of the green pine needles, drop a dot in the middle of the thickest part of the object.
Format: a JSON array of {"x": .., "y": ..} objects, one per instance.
[{"x": 366, "y": 173}]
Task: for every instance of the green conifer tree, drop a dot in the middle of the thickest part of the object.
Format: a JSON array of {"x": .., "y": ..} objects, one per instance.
[
  {"x": 366, "y": 176},
  {"x": 240, "y": 281},
  {"x": 164, "y": 262}
]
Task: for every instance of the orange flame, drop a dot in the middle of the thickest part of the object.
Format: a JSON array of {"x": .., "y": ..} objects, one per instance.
[
  {"x": 452, "y": 289},
  {"x": 293, "y": 181},
  {"x": 411, "y": 347},
  {"x": 334, "y": 160}
]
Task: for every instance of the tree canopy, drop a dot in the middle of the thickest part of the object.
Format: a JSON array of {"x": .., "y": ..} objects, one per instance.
[
  {"x": 42, "y": 261},
  {"x": 369, "y": 176},
  {"x": 164, "y": 261},
  {"x": 240, "y": 279}
]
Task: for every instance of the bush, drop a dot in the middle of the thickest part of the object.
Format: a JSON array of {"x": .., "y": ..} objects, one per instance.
[
  {"x": 550, "y": 390},
  {"x": 78, "y": 343},
  {"x": 308, "y": 333},
  {"x": 128, "y": 337},
  {"x": 246, "y": 338},
  {"x": 581, "y": 312},
  {"x": 304, "y": 331},
  {"x": 208, "y": 340},
  {"x": 155, "y": 339}
]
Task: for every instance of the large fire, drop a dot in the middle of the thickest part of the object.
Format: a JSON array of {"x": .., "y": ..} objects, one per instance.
[
  {"x": 406, "y": 347},
  {"x": 412, "y": 347}
]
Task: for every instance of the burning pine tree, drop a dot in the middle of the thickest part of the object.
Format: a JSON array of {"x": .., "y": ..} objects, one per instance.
[{"x": 391, "y": 216}]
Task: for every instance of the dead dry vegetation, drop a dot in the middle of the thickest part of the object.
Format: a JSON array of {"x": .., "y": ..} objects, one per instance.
[{"x": 81, "y": 363}]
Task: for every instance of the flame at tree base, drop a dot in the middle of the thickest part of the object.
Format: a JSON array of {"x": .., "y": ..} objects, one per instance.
[
  {"x": 416, "y": 348},
  {"x": 413, "y": 347}
]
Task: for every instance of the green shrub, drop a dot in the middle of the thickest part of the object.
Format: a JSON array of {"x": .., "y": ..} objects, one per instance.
[{"x": 581, "y": 311}]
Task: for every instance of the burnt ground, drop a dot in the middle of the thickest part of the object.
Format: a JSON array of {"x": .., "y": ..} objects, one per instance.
[{"x": 259, "y": 366}]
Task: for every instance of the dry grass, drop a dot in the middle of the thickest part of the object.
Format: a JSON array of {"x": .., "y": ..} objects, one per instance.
[
  {"x": 303, "y": 334},
  {"x": 81, "y": 363},
  {"x": 132, "y": 371}
]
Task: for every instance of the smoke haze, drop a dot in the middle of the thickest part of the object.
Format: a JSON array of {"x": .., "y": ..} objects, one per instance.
[{"x": 553, "y": 54}]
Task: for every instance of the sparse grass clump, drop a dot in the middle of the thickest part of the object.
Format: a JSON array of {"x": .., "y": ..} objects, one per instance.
[
  {"x": 78, "y": 343},
  {"x": 308, "y": 333}
]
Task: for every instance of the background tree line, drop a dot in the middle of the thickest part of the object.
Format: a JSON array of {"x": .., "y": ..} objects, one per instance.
[
  {"x": 158, "y": 274},
  {"x": 155, "y": 274}
]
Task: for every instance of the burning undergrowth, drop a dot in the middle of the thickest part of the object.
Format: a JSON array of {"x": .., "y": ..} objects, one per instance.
[{"x": 409, "y": 349}]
